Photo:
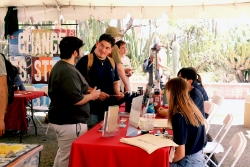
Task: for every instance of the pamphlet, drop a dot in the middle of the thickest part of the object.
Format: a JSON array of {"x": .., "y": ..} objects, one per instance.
[{"x": 148, "y": 142}]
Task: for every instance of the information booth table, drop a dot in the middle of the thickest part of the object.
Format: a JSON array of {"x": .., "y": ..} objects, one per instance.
[
  {"x": 92, "y": 150},
  {"x": 15, "y": 117}
]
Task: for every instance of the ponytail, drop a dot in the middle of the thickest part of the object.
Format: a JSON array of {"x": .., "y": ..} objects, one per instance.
[{"x": 199, "y": 79}]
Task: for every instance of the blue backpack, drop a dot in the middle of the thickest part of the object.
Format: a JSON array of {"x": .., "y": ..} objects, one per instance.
[{"x": 146, "y": 65}]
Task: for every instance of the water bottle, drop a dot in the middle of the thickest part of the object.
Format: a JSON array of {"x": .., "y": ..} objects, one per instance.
[{"x": 127, "y": 102}]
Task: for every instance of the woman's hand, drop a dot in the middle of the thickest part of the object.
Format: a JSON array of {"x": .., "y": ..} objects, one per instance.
[{"x": 162, "y": 112}]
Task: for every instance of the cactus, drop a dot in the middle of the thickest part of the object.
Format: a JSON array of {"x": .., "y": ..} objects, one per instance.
[
  {"x": 237, "y": 60},
  {"x": 175, "y": 56}
]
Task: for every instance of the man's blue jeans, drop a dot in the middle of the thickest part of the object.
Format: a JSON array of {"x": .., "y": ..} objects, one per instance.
[{"x": 92, "y": 120}]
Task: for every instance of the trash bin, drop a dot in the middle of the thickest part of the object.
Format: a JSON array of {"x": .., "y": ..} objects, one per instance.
[{"x": 247, "y": 111}]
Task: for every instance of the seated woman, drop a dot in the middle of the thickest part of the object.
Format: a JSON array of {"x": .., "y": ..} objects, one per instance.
[{"x": 188, "y": 125}]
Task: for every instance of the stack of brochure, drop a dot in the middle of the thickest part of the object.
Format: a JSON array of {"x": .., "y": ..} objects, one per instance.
[
  {"x": 148, "y": 142},
  {"x": 110, "y": 123}
]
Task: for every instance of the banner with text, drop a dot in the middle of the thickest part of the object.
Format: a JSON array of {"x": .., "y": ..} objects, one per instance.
[{"x": 35, "y": 52}]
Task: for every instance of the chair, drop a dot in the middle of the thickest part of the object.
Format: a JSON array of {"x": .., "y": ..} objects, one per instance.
[
  {"x": 41, "y": 107},
  {"x": 216, "y": 100},
  {"x": 214, "y": 146},
  {"x": 238, "y": 144},
  {"x": 207, "y": 126},
  {"x": 30, "y": 88},
  {"x": 208, "y": 107}
]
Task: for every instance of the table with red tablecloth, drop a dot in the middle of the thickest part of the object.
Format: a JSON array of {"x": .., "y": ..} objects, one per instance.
[
  {"x": 15, "y": 117},
  {"x": 93, "y": 150}
]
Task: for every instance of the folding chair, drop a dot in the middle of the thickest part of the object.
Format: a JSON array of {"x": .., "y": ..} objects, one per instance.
[
  {"x": 207, "y": 126},
  {"x": 216, "y": 100},
  {"x": 238, "y": 144},
  {"x": 214, "y": 146},
  {"x": 208, "y": 107},
  {"x": 41, "y": 107},
  {"x": 30, "y": 88}
]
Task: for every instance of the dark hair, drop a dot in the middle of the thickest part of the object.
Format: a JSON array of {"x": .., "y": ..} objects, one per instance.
[
  {"x": 188, "y": 74},
  {"x": 180, "y": 102},
  {"x": 120, "y": 43},
  {"x": 108, "y": 38},
  {"x": 198, "y": 75},
  {"x": 68, "y": 45}
]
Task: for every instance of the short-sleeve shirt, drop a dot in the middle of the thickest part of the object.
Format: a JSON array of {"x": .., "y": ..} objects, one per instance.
[
  {"x": 103, "y": 77},
  {"x": 115, "y": 54},
  {"x": 126, "y": 64},
  {"x": 2, "y": 66},
  {"x": 197, "y": 98},
  {"x": 67, "y": 87},
  {"x": 193, "y": 137}
]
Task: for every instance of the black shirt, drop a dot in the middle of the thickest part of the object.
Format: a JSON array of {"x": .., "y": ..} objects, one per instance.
[
  {"x": 197, "y": 98},
  {"x": 67, "y": 87},
  {"x": 198, "y": 86},
  {"x": 102, "y": 75},
  {"x": 193, "y": 137}
]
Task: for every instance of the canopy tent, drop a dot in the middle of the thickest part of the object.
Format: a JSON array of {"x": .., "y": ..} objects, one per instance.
[{"x": 50, "y": 10}]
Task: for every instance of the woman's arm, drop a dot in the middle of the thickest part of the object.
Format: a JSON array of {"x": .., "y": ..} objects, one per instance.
[{"x": 179, "y": 153}]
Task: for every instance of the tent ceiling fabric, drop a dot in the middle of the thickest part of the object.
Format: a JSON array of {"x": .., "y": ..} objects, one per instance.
[{"x": 49, "y": 10}]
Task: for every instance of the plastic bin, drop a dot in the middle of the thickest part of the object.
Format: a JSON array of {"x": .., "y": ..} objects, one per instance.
[{"x": 247, "y": 111}]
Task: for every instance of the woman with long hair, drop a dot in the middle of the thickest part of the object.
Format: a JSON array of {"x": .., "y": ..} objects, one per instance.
[{"x": 188, "y": 125}]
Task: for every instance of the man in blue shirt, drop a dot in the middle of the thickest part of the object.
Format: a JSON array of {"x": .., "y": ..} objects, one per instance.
[{"x": 102, "y": 75}]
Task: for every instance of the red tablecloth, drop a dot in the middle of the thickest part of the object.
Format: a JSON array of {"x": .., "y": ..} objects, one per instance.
[
  {"x": 92, "y": 150},
  {"x": 15, "y": 118}
]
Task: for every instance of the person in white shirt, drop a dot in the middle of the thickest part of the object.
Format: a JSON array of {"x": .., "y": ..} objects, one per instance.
[
  {"x": 126, "y": 63},
  {"x": 161, "y": 61}
]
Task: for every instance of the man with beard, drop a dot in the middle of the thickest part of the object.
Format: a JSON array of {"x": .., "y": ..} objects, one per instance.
[
  {"x": 69, "y": 108},
  {"x": 104, "y": 75}
]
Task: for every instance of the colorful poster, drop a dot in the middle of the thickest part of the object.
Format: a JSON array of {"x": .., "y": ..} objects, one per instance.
[
  {"x": 36, "y": 51},
  {"x": 23, "y": 64}
]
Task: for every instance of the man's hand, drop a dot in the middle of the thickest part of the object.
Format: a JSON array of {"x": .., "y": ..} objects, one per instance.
[
  {"x": 120, "y": 95},
  {"x": 128, "y": 72},
  {"x": 2, "y": 127},
  {"x": 103, "y": 96},
  {"x": 95, "y": 94},
  {"x": 126, "y": 88}
]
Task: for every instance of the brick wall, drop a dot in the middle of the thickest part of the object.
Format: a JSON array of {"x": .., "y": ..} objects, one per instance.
[{"x": 228, "y": 90}]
